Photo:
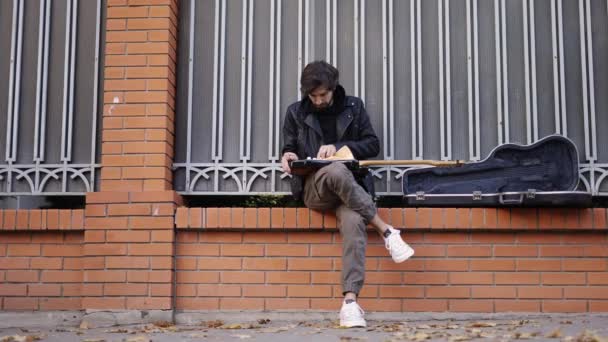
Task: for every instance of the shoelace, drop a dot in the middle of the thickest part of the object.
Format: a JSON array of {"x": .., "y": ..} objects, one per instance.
[
  {"x": 388, "y": 243},
  {"x": 351, "y": 311}
]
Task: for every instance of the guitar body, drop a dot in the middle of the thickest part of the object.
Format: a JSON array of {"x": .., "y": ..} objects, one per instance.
[{"x": 543, "y": 173}]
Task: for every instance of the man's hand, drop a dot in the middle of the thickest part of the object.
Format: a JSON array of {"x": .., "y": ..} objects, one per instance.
[
  {"x": 287, "y": 157},
  {"x": 326, "y": 151}
]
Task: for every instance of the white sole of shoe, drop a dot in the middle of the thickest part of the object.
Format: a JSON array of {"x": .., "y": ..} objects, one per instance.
[
  {"x": 408, "y": 254},
  {"x": 353, "y": 324}
]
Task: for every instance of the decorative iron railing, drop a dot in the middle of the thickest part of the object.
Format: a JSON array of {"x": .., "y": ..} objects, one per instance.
[
  {"x": 441, "y": 79},
  {"x": 49, "y": 96}
]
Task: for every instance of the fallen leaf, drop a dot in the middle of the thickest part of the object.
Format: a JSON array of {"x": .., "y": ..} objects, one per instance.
[
  {"x": 565, "y": 322},
  {"x": 452, "y": 326},
  {"x": 21, "y": 338},
  {"x": 138, "y": 339},
  {"x": 118, "y": 331},
  {"x": 263, "y": 321},
  {"x": 212, "y": 324},
  {"x": 522, "y": 336},
  {"x": 419, "y": 336},
  {"x": 590, "y": 336},
  {"x": 93, "y": 340},
  {"x": 423, "y": 326},
  {"x": 84, "y": 325},
  {"x": 459, "y": 338},
  {"x": 163, "y": 324},
  {"x": 557, "y": 333},
  {"x": 481, "y": 325}
]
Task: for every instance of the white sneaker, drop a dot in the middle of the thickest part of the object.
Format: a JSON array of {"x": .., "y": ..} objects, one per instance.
[
  {"x": 399, "y": 250},
  {"x": 351, "y": 315}
]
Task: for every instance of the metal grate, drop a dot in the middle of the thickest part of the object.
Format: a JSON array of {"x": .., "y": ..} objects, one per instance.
[
  {"x": 442, "y": 79},
  {"x": 49, "y": 96}
]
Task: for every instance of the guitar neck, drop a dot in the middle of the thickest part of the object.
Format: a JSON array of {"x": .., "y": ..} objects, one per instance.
[{"x": 411, "y": 162}]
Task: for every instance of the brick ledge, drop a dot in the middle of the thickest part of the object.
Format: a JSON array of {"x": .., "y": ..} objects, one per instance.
[{"x": 411, "y": 218}]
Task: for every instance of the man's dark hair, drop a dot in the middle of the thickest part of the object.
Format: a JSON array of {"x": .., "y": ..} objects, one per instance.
[{"x": 318, "y": 74}]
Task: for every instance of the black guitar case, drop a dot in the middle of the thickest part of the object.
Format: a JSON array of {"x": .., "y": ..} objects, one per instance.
[{"x": 541, "y": 174}]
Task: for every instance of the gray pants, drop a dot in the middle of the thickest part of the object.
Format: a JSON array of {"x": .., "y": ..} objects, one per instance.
[{"x": 334, "y": 188}]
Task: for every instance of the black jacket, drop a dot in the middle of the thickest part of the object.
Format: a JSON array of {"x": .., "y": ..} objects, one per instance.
[{"x": 302, "y": 133}]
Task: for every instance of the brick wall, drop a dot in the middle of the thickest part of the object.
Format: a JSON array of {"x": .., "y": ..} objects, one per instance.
[
  {"x": 41, "y": 259},
  {"x": 467, "y": 260}
]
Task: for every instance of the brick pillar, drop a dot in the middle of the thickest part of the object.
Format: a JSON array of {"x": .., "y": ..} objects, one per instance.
[{"x": 129, "y": 229}]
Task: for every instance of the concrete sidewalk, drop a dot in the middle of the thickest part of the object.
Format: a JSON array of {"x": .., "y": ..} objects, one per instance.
[{"x": 260, "y": 326}]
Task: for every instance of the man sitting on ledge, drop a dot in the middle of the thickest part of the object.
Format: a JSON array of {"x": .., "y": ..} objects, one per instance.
[{"x": 323, "y": 122}]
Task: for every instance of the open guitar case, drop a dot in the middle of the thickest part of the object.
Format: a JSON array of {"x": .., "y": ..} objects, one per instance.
[{"x": 544, "y": 173}]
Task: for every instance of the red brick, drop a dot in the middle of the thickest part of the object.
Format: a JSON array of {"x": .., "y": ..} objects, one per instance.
[
  {"x": 309, "y": 264},
  {"x": 288, "y": 277},
  {"x": 493, "y": 265},
  {"x": 491, "y": 217},
  {"x": 585, "y": 265},
  {"x": 471, "y": 305},
  {"x": 62, "y": 250},
  {"x": 436, "y": 217},
  {"x": 45, "y": 263},
  {"x": 518, "y": 278},
  {"x": 151, "y": 249},
  {"x": 386, "y": 305},
  {"x": 244, "y": 277},
  {"x": 148, "y": 303},
  {"x": 264, "y": 218},
  {"x": 561, "y": 251},
  {"x": 401, "y": 291},
  {"x": 599, "y": 218},
  {"x": 265, "y": 237},
  {"x": 289, "y": 218},
  {"x": 329, "y": 220},
  {"x": 316, "y": 219},
  {"x": 586, "y": 292},
  {"x": 250, "y": 219},
  {"x": 309, "y": 291},
  {"x": 264, "y": 264},
  {"x": 517, "y": 305},
  {"x": 446, "y": 238},
  {"x": 464, "y": 218},
  {"x": 462, "y": 278},
  {"x": 503, "y": 218},
  {"x": 469, "y": 251},
  {"x": 425, "y": 305},
  {"x": 212, "y": 218},
  {"x": 594, "y": 278},
  {"x": 538, "y": 265},
  {"x": 23, "y": 250},
  {"x": 287, "y": 304},
  {"x": 493, "y": 292},
  {"x": 21, "y": 276},
  {"x": 20, "y": 303},
  {"x": 286, "y": 250},
  {"x": 515, "y": 251},
  {"x": 446, "y": 265},
  {"x": 197, "y": 277},
  {"x": 151, "y": 222},
  {"x": 224, "y": 217},
  {"x": 221, "y": 237},
  {"x": 423, "y": 216},
  {"x": 237, "y": 218},
  {"x": 146, "y": 276},
  {"x": 125, "y": 289},
  {"x": 104, "y": 303},
  {"x": 326, "y": 278},
  {"x": 44, "y": 290},
  {"x": 598, "y": 306},
  {"x": 61, "y": 277},
  {"x": 332, "y": 250},
  {"x": 450, "y": 217},
  {"x": 425, "y": 278},
  {"x": 107, "y": 197},
  {"x": 200, "y": 250},
  {"x": 563, "y": 278},
  {"x": 421, "y": 251},
  {"x": 478, "y": 218},
  {"x": 216, "y": 290},
  {"x": 539, "y": 292},
  {"x": 595, "y": 251},
  {"x": 564, "y": 306},
  {"x": 264, "y": 290},
  {"x": 388, "y": 278},
  {"x": 198, "y": 303},
  {"x": 113, "y": 262},
  {"x": 494, "y": 238},
  {"x": 242, "y": 250},
  {"x": 448, "y": 292},
  {"x": 241, "y": 304}
]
